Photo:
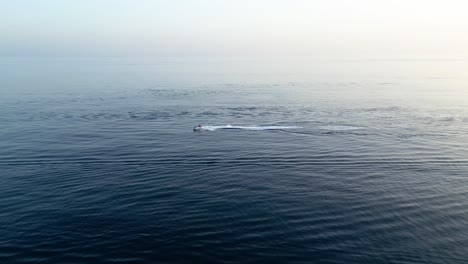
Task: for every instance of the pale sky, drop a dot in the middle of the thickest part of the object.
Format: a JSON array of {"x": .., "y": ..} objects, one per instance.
[{"x": 356, "y": 29}]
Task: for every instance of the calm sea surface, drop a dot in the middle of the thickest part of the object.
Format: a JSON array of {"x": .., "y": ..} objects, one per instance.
[{"x": 99, "y": 163}]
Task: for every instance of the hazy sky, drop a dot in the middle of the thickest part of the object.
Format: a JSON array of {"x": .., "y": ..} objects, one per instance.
[{"x": 362, "y": 29}]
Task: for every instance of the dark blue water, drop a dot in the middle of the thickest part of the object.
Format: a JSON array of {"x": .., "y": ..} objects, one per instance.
[{"x": 99, "y": 163}]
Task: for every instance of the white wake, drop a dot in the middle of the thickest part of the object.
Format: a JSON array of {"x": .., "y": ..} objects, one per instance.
[
  {"x": 339, "y": 127},
  {"x": 254, "y": 128}
]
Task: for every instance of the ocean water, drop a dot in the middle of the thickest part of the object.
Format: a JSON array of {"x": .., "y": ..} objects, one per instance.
[{"x": 329, "y": 161}]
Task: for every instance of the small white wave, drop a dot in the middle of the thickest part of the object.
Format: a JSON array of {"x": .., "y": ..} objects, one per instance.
[
  {"x": 254, "y": 128},
  {"x": 339, "y": 127}
]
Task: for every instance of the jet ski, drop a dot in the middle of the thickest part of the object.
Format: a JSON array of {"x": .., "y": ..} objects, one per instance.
[{"x": 198, "y": 128}]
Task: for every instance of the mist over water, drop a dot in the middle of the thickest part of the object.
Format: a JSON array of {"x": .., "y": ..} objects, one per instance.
[{"x": 366, "y": 161}]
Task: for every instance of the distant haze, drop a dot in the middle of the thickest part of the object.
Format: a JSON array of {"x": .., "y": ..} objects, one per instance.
[{"x": 332, "y": 29}]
